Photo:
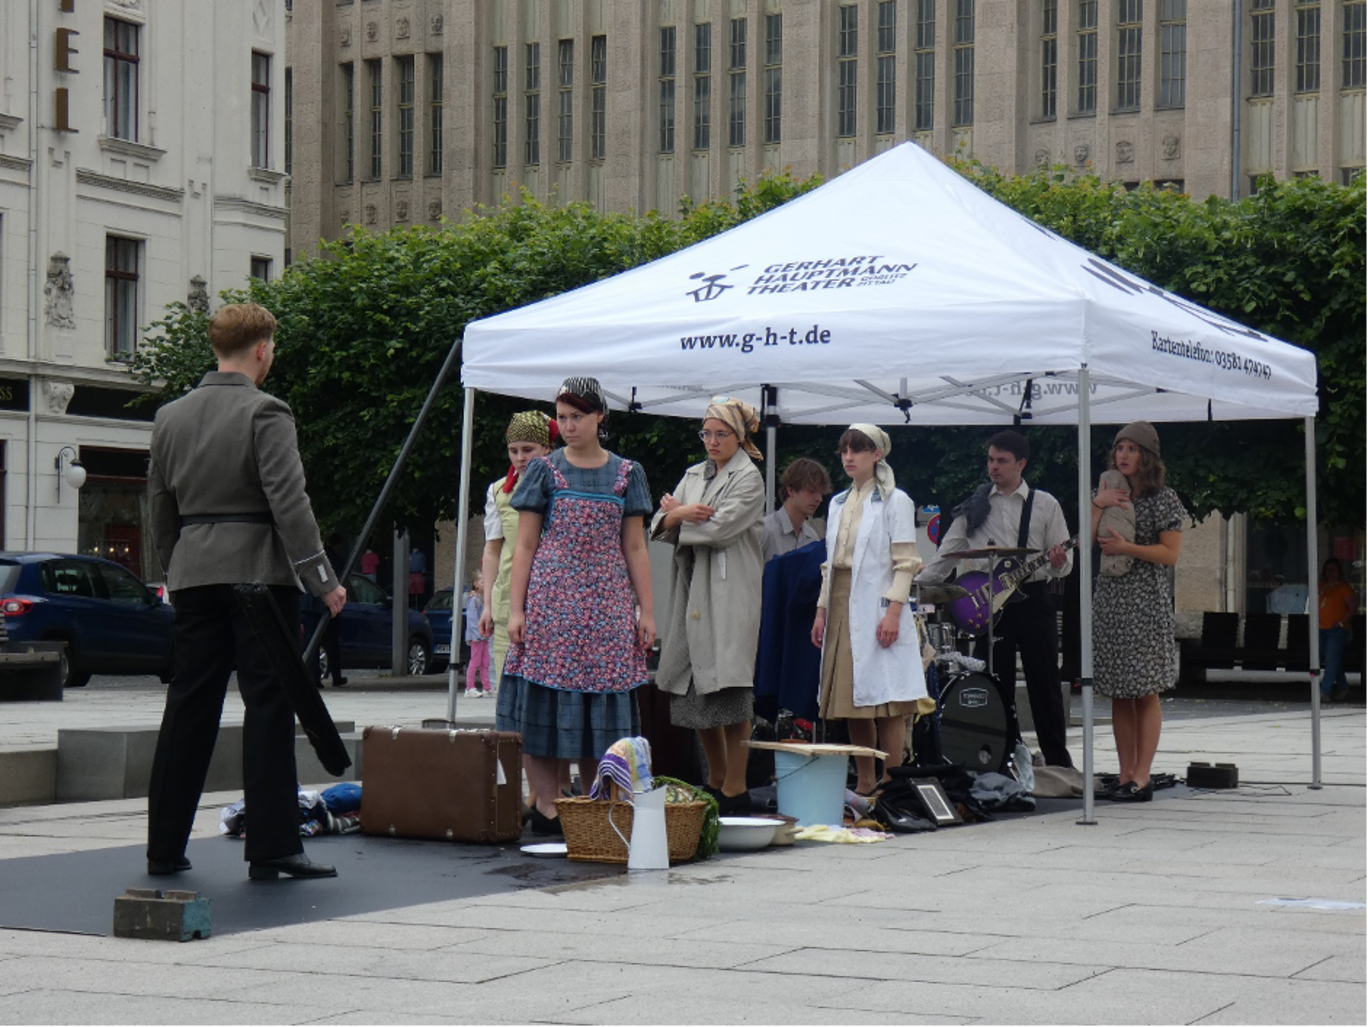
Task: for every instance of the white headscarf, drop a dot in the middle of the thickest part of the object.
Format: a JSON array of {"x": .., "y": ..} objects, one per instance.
[{"x": 883, "y": 474}]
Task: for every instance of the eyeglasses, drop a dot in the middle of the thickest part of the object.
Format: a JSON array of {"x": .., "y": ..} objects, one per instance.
[{"x": 720, "y": 436}]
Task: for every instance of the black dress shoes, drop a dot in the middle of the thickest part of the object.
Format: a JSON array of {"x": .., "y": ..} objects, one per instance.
[
  {"x": 166, "y": 867},
  {"x": 291, "y": 866},
  {"x": 339, "y": 682},
  {"x": 1132, "y": 792},
  {"x": 738, "y": 805},
  {"x": 541, "y": 824}
]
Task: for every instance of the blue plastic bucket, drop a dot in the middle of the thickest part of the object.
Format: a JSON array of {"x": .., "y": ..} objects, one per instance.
[{"x": 811, "y": 788}]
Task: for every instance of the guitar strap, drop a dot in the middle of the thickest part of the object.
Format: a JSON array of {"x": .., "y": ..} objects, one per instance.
[{"x": 1025, "y": 528}]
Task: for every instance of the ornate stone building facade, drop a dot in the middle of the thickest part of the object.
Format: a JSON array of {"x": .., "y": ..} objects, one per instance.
[
  {"x": 411, "y": 109},
  {"x": 141, "y": 162}
]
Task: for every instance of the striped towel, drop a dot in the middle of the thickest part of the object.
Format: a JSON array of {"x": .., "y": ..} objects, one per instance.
[{"x": 626, "y": 764}]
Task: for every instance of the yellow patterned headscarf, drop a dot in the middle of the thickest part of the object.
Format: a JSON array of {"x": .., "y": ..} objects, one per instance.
[
  {"x": 530, "y": 426},
  {"x": 883, "y": 474},
  {"x": 740, "y": 417}
]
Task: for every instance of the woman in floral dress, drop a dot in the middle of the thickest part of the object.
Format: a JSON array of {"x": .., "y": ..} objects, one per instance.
[
  {"x": 1135, "y": 657},
  {"x": 581, "y": 617}
]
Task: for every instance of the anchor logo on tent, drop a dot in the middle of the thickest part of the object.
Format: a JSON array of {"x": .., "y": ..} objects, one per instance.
[{"x": 712, "y": 286}]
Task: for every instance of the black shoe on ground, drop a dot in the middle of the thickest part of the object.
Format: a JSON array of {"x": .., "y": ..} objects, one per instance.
[
  {"x": 166, "y": 867},
  {"x": 541, "y": 824},
  {"x": 1339, "y": 695},
  {"x": 734, "y": 805},
  {"x": 1132, "y": 792},
  {"x": 339, "y": 682},
  {"x": 291, "y": 866}
]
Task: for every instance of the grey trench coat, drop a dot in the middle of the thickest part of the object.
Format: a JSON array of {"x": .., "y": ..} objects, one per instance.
[{"x": 715, "y": 581}]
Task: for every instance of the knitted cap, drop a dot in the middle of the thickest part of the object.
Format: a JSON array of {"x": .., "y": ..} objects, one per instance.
[{"x": 1142, "y": 433}]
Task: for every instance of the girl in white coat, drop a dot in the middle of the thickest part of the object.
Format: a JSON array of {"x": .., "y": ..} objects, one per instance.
[{"x": 871, "y": 662}]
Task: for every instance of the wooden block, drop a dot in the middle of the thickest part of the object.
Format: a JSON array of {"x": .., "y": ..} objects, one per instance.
[{"x": 161, "y": 915}]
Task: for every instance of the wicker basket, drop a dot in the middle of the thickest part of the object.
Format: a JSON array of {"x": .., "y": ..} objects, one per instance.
[{"x": 590, "y": 838}]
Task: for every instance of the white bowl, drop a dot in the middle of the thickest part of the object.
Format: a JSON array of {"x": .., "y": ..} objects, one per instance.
[{"x": 742, "y": 834}]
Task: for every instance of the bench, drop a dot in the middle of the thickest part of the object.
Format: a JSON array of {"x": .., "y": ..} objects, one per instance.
[{"x": 1262, "y": 648}]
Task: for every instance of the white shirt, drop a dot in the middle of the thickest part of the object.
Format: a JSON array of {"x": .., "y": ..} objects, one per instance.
[{"x": 1001, "y": 527}]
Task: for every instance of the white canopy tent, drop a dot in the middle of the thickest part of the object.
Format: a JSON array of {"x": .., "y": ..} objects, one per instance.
[{"x": 899, "y": 293}]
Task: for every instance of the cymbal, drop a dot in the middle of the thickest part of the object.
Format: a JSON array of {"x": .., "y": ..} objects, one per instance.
[
  {"x": 988, "y": 552},
  {"x": 940, "y": 593}
]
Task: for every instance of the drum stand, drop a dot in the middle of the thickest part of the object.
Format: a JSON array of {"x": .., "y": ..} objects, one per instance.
[{"x": 1009, "y": 765}]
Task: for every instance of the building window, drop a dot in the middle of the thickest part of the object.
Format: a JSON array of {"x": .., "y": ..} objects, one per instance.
[
  {"x": 847, "y": 68},
  {"x": 1087, "y": 56},
  {"x": 435, "y": 70},
  {"x": 404, "y": 73},
  {"x": 774, "y": 77},
  {"x": 886, "y": 71},
  {"x": 1308, "y": 47},
  {"x": 261, "y": 110},
  {"x": 1261, "y": 48},
  {"x": 261, "y": 269},
  {"x": 598, "y": 97},
  {"x": 1347, "y": 175},
  {"x": 565, "y": 100},
  {"x": 377, "y": 150},
  {"x": 1049, "y": 57},
  {"x": 1351, "y": 74},
  {"x": 122, "y": 257},
  {"x": 1128, "y": 55},
  {"x": 736, "y": 107},
  {"x": 964, "y": 63},
  {"x": 289, "y": 121},
  {"x": 1172, "y": 53},
  {"x": 349, "y": 122},
  {"x": 924, "y": 52},
  {"x": 532, "y": 105},
  {"x": 500, "y": 141},
  {"x": 121, "y": 79},
  {"x": 702, "y": 86},
  {"x": 667, "y": 89}
]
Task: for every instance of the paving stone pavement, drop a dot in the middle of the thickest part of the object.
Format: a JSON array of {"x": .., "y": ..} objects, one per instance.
[{"x": 1158, "y": 913}]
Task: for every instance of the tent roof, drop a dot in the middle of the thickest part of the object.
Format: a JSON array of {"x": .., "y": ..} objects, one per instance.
[{"x": 897, "y": 292}]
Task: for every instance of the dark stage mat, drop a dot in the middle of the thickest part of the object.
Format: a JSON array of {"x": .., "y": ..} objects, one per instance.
[{"x": 75, "y": 892}]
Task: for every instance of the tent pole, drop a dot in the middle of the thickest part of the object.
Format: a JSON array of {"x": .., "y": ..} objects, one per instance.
[
  {"x": 769, "y": 470},
  {"x": 1313, "y": 621},
  {"x": 1085, "y": 599},
  {"x": 462, "y": 520}
]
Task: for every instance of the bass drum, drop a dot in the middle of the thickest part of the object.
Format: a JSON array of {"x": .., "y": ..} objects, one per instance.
[{"x": 976, "y": 726}]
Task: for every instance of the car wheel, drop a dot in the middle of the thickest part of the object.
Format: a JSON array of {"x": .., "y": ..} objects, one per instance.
[
  {"x": 321, "y": 658},
  {"x": 71, "y": 677},
  {"x": 418, "y": 656}
]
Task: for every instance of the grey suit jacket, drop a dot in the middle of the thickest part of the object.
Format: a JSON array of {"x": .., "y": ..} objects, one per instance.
[{"x": 229, "y": 448}]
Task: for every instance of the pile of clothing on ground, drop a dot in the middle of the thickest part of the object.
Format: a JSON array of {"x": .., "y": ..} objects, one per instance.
[{"x": 335, "y": 810}]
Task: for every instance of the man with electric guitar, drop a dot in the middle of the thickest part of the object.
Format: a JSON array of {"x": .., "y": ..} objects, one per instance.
[{"x": 1006, "y": 513}]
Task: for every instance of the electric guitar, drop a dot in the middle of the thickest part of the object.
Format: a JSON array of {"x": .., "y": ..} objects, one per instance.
[{"x": 987, "y": 596}]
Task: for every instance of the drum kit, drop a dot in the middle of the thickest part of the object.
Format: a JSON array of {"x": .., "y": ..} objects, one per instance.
[{"x": 978, "y": 721}]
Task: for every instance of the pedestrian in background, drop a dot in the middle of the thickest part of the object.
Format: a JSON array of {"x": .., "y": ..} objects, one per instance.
[
  {"x": 1338, "y": 604},
  {"x": 478, "y": 667},
  {"x": 228, "y": 506}
]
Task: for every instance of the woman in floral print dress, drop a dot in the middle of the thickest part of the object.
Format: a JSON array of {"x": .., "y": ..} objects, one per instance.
[
  {"x": 580, "y": 575},
  {"x": 1135, "y": 656}
]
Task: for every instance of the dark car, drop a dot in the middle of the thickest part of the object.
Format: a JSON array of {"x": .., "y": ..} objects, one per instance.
[
  {"x": 111, "y": 622},
  {"x": 438, "y": 612},
  {"x": 365, "y": 624}
]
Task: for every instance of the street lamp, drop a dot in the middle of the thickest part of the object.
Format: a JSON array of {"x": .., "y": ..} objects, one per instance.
[{"x": 75, "y": 473}]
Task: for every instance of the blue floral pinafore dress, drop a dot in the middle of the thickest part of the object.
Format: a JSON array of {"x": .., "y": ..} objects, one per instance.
[{"x": 573, "y": 675}]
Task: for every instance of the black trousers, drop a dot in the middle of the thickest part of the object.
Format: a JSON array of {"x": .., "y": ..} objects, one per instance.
[
  {"x": 1029, "y": 627},
  {"x": 213, "y": 637}
]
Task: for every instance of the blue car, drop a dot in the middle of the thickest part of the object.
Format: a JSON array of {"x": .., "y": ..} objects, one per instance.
[
  {"x": 438, "y": 613},
  {"x": 111, "y": 622},
  {"x": 365, "y": 624}
]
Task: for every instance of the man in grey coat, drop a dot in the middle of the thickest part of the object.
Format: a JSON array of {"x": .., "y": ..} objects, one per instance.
[{"x": 228, "y": 506}]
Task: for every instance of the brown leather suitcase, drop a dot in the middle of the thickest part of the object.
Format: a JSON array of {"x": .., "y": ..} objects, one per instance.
[{"x": 457, "y": 786}]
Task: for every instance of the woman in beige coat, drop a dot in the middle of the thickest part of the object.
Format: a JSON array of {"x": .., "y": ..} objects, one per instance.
[{"x": 707, "y": 661}]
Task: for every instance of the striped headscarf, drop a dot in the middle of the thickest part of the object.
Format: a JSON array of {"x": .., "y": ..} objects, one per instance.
[{"x": 740, "y": 417}]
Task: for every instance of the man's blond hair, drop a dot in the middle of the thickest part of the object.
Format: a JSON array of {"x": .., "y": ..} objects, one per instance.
[{"x": 238, "y": 327}]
